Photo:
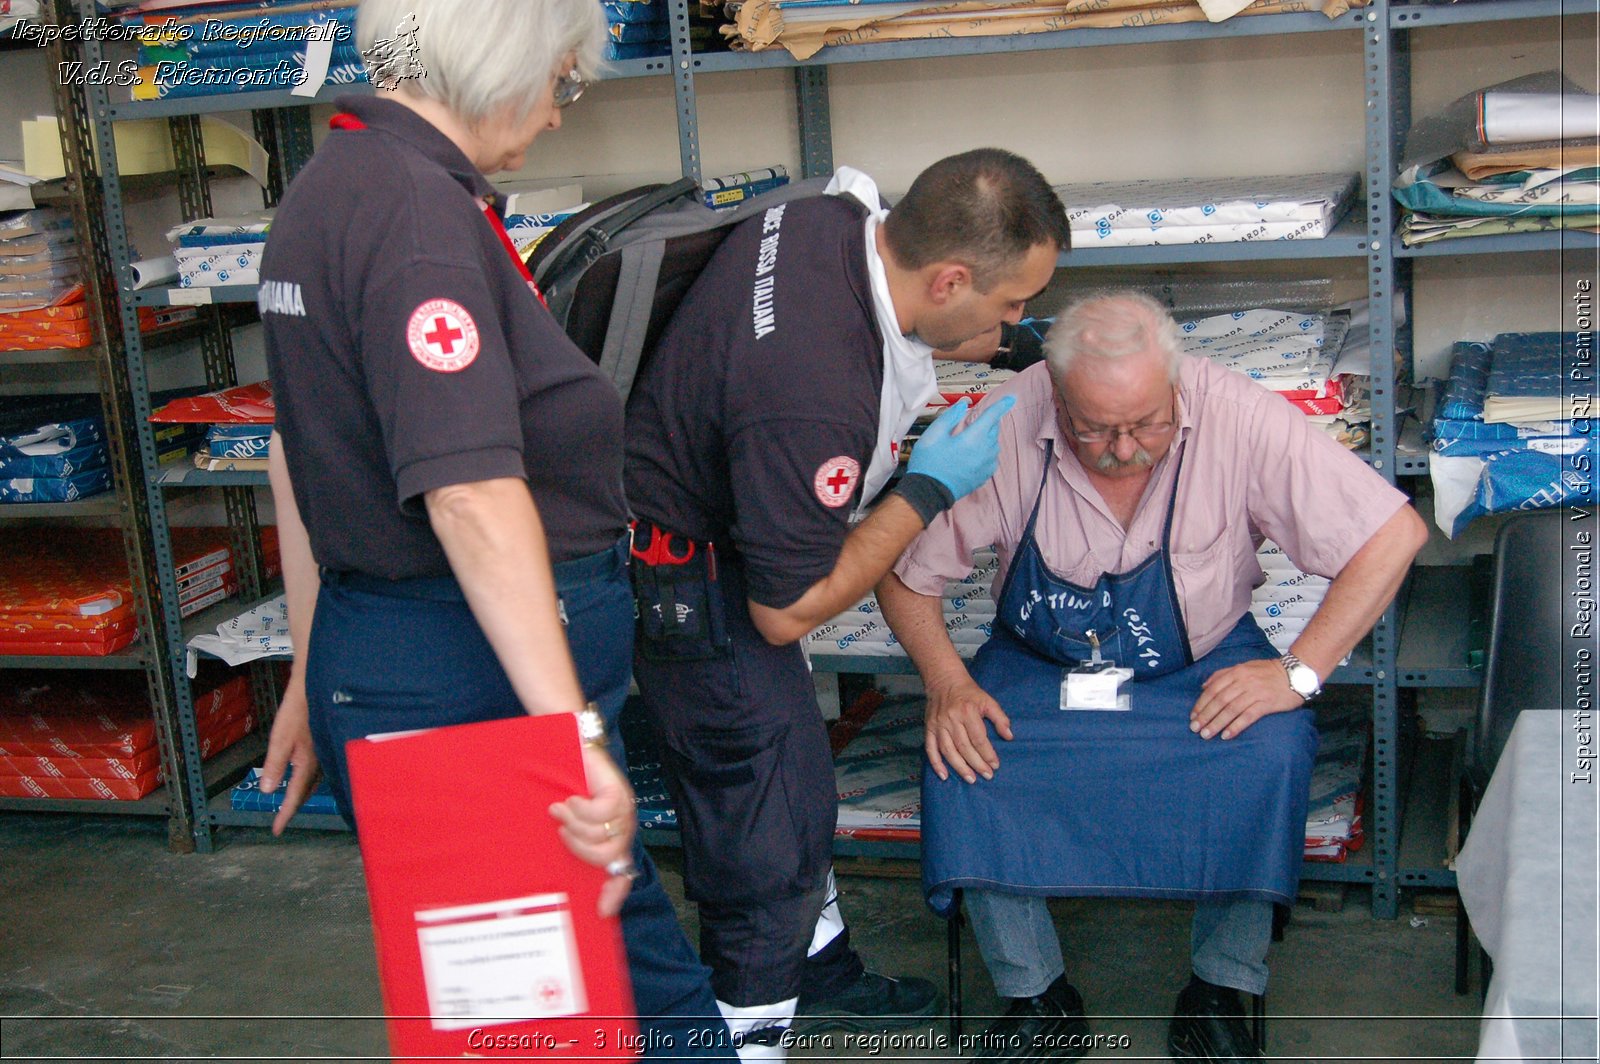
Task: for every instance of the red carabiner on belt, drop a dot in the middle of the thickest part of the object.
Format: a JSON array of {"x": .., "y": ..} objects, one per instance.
[{"x": 659, "y": 550}]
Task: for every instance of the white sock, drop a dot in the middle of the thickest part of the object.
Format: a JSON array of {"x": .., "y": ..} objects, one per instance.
[
  {"x": 748, "y": 1019},
  {"x": 830, "y": 922}
]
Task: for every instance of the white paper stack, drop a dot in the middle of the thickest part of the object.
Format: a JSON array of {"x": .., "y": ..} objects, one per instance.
[
  {"x": 1287, "y": 599},
  {"x": 1208, "y": 211},
  {"x": 1333, "y": 818},
  {"x": 879, "y": 773},
  {"x": 968, "y": 617},
  {"x": 220, "y": 251},
  {"x": 262, "y": 632}
]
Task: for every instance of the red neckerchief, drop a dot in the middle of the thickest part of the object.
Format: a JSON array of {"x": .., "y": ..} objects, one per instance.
[{"x": 345, "y": 120}]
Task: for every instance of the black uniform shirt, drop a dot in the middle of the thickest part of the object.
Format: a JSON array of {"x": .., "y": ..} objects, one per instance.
[
  {"x": 408, "y": 353},
  {"x": 756, "y": 416}
]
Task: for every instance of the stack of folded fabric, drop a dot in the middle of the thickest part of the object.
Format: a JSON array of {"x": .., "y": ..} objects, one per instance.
[
  {"x": 52, "y": 450},
  {"x": 1333, "y": 819},
  {"x": 1286, "y": 599},
  {"x": 636, "y": 29},
  {"x": 200, "y": 49},
  {"x": 69, "y": 594},
  {"x": 38, "y": 259},
  {"x": 1521, "y": 156},
  {"x": 239, "y": 424},
  {"x": 1514, "y": 427},
  {"x": 94, "y": 736},
  {"x": 968, "y": 617},
  {"x": 220, "y": 251},
  {"x": 247, "y": 795},
  {"x": 1211, "y": 211},
  {"x": 805, "y": 27}
]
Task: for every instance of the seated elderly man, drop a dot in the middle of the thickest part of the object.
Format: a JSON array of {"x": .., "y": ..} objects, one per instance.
[{"x": 1133, "y": 489}]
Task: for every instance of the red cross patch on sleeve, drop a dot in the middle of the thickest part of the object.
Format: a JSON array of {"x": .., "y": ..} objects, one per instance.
[
  {"x": 835, "y": 480},
  {"x": 442, "y": 336}
]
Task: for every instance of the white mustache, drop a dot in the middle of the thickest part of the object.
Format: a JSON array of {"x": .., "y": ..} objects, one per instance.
[{"x": 1110, "y": 463}]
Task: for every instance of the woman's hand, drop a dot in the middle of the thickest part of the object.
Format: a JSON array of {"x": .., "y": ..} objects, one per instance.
[
  {"x": 290, "y": 745},
  {"x": 599, "y": 829}
]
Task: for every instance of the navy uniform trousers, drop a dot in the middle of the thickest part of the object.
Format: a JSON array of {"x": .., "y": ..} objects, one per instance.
[
  {"x": 393, "y": 655},
  {"x": 747, "y": 761}
]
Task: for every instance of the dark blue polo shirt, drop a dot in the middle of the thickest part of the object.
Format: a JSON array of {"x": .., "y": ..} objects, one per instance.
[
  {"x": 756, "y": 416},
  {"x": 408, "y": 353}
]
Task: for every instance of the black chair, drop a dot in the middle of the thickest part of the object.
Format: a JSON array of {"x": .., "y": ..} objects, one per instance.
[{"x": 1530, "y": 619}]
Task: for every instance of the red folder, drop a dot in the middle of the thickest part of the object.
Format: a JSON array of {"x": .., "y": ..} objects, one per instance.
[{"x": 488, "y": 934}]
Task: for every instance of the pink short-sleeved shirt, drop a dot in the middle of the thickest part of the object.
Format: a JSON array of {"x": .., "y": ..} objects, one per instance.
[{"x": 1252, "y": 466}]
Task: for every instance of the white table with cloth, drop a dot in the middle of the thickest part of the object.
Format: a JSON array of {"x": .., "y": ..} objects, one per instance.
[{"x": 1527, "y": 875}]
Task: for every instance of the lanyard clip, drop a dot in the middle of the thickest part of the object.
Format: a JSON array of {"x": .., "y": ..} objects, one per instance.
[{"x": 1094, "y": 647}]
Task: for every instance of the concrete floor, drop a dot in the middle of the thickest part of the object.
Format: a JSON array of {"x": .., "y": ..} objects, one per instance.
[{"x": 113, "y": 948}]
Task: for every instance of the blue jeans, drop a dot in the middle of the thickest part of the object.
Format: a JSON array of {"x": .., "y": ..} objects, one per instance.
[
  {"x": 389, "y": 656},
  {"x": 1227, "y": 944}
]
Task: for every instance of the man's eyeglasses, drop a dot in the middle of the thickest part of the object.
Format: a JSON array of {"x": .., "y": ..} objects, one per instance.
[
  {"x": 568, "y": 88},
  {"x": 1148, "y": 434}
]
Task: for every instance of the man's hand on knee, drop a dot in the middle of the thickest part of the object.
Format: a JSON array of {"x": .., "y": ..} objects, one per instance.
[
  {"x": 1234, "y": 698},
  {"x": 955, "y": 731}
]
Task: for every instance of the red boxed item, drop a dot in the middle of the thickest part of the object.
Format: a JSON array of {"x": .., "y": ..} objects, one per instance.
[
  {"x": 69, "y": 594},
  {"x": 248, "y": 404},
  {"x": 73, "y": 767},
  {"x": 94, "y": 737},
  {"x": 99, "y": 716},
  {"x": 487, "y": 931}
]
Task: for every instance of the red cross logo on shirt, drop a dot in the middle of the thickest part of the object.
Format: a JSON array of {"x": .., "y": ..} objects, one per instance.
[
  {"x": 835, "y": 480},
  {"x": 442, "y": 336}
]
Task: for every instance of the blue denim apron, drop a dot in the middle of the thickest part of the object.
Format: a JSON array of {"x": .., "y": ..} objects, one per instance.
[{"x": 1117, "y": 803}]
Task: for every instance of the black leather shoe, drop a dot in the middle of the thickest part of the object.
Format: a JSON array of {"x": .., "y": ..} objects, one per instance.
[
  {"x": 872, "y": 1003},
  {"x": 1210, "y": 1025},
  {"x": 1049, "y": 1026}
]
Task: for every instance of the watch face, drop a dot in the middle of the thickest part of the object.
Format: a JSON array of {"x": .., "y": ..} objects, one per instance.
[{"x": 1303, "y": 680}]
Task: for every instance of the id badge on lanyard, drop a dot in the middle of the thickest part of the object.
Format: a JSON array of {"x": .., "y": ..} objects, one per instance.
[{"x": 1096, "y": 684}]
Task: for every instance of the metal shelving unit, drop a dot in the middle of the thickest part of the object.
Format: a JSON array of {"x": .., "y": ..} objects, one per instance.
[
  {"x": 81, "y": 191},
  {"x": 1435, "y": 634},
  {"x": 285, "y": 132},
  {"x": 1413, "y": 645}
]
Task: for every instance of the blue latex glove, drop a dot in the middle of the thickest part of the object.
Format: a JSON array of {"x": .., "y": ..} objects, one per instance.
[{"x": 961, "y": 461}]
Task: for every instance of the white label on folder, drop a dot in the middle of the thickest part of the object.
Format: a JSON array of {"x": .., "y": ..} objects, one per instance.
[{"x": 500, "y": 962}]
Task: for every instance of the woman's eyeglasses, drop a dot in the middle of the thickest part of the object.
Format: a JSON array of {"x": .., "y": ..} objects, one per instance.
[{"x": 568, "y": 88}]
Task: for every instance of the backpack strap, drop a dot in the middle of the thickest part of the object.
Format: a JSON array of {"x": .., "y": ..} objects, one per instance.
[
  {"x": 595, "y": 230},
  {"x": 637, "y": 274}
]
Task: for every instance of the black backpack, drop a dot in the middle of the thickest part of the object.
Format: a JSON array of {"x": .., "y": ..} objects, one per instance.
[{"x": 614, "y": 273}]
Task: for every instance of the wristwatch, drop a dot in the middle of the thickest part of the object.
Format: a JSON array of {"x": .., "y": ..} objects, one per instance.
[
  {"x": 591, "y": 726},
  {"x": 1302, "y": 678}
]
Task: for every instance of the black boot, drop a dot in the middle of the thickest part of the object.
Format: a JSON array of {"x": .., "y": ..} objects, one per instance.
[
  {"x": 1048, "y": 1026},
  {"x": 872, "y": 1002},
  {"x": 1209, "y": 1025}
]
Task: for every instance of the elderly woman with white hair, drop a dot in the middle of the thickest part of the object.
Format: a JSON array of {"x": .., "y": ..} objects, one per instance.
[{"x": 445, "y": 460}]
